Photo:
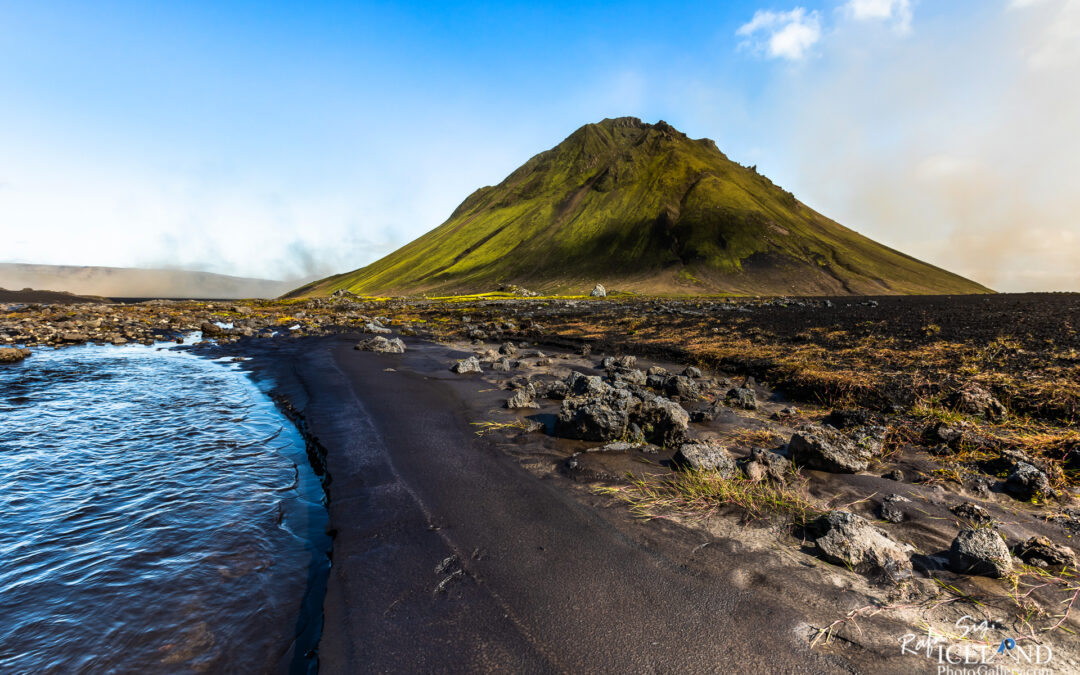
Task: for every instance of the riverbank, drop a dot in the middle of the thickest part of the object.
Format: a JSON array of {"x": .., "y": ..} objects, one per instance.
[{"x": 569, "y": 534}]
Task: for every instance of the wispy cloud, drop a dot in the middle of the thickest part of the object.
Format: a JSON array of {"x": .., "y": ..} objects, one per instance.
[
  {"x": 896, "y": 12},
  {"x": 1059, "y": 44},
  {"x": 782, "y": 35}
]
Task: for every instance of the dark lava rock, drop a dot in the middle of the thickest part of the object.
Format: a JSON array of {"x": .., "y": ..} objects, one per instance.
[
  {"x": 1027, "y": 481},
  {"x": 469, "y": 365},
  {"x": 741, "y": 397},
  {"x": 980, "y": 551},
  {"x": 974, "y": 400},
  {"x": 523, "y": 398},
  {"x": 851, "y": 541},
  {"x": 632, "y": 377},
  {"x": 508, "y": 349},
  {"x": 1042, "y": 552},
  {"x": 705, "y": 456},
  {"x": 951, "y": 435},
  {"x": 593, "y": 419},
  {"x": 765, "y": 464},
  {"x": 586, "y": 385},
  {"x": 382, "y": 345},
  {"x": 663, "y": 422},
  {"x": 891, "y": 509},
  {"x": 896, "y": 475},
  {"x": 11, "y": 354},
  {"x": 849, "y": 418},
  {"x": 683, "y": 387},
  {"x": 974, "y": 514},
  {"x": 826, "y": 449}
]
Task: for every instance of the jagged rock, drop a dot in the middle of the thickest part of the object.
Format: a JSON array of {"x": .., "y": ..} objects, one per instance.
[
  {"x": 469, "y": 365},
  {"x": 891, "y": 509},
  {"x": 1027, "y": 481},
  {"x": 502, "y": 365},
  {"x": 974, "y": 400},
  {"x": 11, "y": 354},
  {"x": 553, "y": 389},
  {"x": 951, "y": 435},
  {"x": 896, "y": 475},
  {"x": 508, "y": 349},
  {"x": 592, "y": 419},
  {"x": 826, "y": 449},
  {"x": 693, "y": 372},
  {"x": 974, "y": 514},
  {"x": 1042, "y": 552},
  {"x": 382, "y": 345},
  {"x": 849, "y": 418},
  {"x": 629, "y": 377},
  {"x": 980, "y": 551},
  {"x": 705, "y": 456},
  {"x": 376, "y": 327},
  {"x": 586, "y": 385},
  {"x": 656, "y": 370},
  {"x": 598, "y": 291},
  {"x": 870, "y": 440},
  {"x": 851, "y": 541},
  {"x": 683, "y": 387},
  {"x": 741, "y": 397},
  {"x": 663, "y": 421},
  {"x": 765, "y": 464},
  {"x": 523, "y": 398}
]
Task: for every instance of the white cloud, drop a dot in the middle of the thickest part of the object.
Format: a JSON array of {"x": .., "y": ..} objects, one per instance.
[
  {"x": 897, "y": 12},
  {"x": 783, "y": 35}
]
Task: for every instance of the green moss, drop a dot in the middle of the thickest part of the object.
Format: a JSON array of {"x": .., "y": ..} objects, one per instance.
[{"x": 650, "y": 209}]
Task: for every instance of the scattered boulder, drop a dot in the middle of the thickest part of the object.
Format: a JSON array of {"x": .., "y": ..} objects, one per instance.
[
  {"x": 849, "y": 418},
  {"x": 586, "y": 385},
  {"x": 683, "y": 387},
  {"x": 741, "y": 397},
  {"x": 1027, "y": 481},
  {"x": 891, "y": 509},
  {"x": 508, "y": 349},
  {"x": 664, "y": 422},
  {"x": 946, "y": 433},
  {"x": 973, "y": 514},
  {"x": 469, "y": 365},
  {"x": 12, "y": 354},
  {"x": 826, "y": 449},
  {"x": 980, "y": 551},
  {"x": 851, "y": 541},
  {"x": 523, "y": 398},
  {"x": 592, "y": 419},
  {"x": 705, "y": 456},
  {"x": 598, "y": 291},
  {"x": 374, "y": 326},
  {"x": 766, "y": 465},
  {"x": 502, "y": 365},
  {"x": 1042, "y": 552},
  {"x": 693, "y": 372},
  {"x": 381, "y": 345},
  {"x": 896, "y": 475},
  {"x": 974, "y": 400},
  {"x": 211, "y": 329}
]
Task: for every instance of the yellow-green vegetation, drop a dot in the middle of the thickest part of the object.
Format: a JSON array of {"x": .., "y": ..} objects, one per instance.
[
  {"x": 701, "y": 494},
  {"x": 641, "y": 207}
]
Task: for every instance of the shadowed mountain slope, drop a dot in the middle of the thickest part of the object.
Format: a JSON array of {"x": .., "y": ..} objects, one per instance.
[{"x": 641, "y": 207}]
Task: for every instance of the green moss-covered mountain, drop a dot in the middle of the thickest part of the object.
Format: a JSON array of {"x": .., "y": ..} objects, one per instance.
[{"x": 641, "y": 207}]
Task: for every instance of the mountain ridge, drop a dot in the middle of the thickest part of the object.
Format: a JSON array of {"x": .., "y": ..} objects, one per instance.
[{"x": 641, "y": 207}]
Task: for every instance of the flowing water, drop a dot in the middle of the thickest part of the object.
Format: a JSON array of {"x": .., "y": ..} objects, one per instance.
[{"x": 157, "y": 514}]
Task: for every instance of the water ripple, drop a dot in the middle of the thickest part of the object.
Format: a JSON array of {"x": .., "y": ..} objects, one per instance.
[{"x": 156, "y": 515}]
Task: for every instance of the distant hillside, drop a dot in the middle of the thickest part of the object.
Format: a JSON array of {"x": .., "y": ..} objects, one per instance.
[
  {"x": 123, "y": 282},
  {"x": 642, "y": 207}
]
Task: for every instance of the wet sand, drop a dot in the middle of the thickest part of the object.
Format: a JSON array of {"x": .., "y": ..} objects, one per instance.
[{"x": 450, "y": 557}]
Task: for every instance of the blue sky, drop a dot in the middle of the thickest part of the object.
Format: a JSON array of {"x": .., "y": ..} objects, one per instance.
[{"x": 278, "y": 139}]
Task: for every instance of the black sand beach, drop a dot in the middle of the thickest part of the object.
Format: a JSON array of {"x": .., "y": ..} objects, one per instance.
[{"x": 450, "y": 557}]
